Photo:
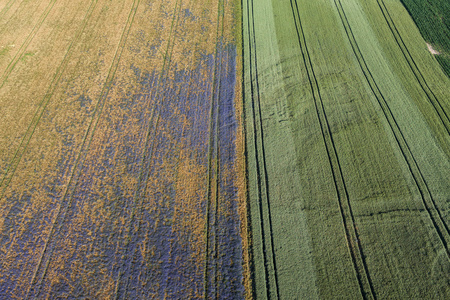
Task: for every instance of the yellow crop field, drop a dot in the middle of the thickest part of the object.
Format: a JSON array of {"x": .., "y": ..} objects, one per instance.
[{"x": 120, "y": 150}]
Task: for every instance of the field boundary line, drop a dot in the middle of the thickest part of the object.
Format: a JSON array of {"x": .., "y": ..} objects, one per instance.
[
  {"x": 12, "y": 166},
  {"x": 345, "y": 207},
  {"x": 26, "y": 43},
  {"x": 414, "y": 68},
  {"x": 422, "y": 186},
  {"x": 61, "y": 213},
  {"x": 262, "y": 179}
]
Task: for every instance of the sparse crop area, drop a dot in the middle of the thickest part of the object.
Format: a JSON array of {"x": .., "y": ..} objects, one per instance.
[{"x": 222, "y": 149}]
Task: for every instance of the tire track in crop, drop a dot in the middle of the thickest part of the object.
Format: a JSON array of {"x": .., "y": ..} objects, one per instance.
[
  {"x": 12, "y": 166},
  {"x": 427, "y": 199},
  {"x": 212, "y": 157},
  {"x": 443, "y": 116},
  {"x": 345, "y": 208},
  {"x": 139, "y": 194},
  {"x": 44, "y": 260},
  {"x": 213, "y": 150},
  {"x": 146, "y": 162},
  {"x": 268, "y": 251},
  {"x": 26, "y": 43},
  {"x": 215, "y": 137},
  {"x": 6, "y": 8}
]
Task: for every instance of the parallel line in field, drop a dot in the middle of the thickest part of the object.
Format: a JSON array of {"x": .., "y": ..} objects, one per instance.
[
  {"x": 36, "y": 284},
  {"x": 427, "y": 199},
  {"x": 36, "y": 118},
  {"x": 15, "y": 13},
  {"x": 249, "y": 227},
  {"x": 208, "y": 187},
  {"x": 213, "y": 151},
  {"x": 136, "y": 211},
  {"x": 18, "y": 154},
  {"x": 345, "y": 207},
  {"x": 147, "y": 156},
  {"x": 414, "y": 68},
  {"x": 26, "y": 43},
  {"x": 6, "y": 8},
  {"x": 189, "y": 134},
  {"x": 260, "y": 160},
  {"x": 213, "y": 167}
]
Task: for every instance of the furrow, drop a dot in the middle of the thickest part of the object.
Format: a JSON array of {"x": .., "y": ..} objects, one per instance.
[
  {"x": 216, "y": 173},
  {"x": 6, "y": 7},
  {"x": 213, "y": 158},
  {"x": 217, "y": 151},
  {"x": 252, "y": 96},
  {"x": 219, "y": 60},
  {"x": 250, "y": 250}
]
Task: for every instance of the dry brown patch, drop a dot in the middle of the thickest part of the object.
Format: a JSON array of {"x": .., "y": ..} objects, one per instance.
[{"x": 432, "y": 50}]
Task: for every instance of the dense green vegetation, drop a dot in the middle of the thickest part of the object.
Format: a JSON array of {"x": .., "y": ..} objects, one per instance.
[
  {"x": 348, "y": 152},
  {"x": 120, "y": 174},
  {"x": 433, "y": 20}
]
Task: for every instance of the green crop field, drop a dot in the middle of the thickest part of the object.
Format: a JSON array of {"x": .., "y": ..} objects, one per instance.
[
  {"x": 432, "y": 17},
  {"x": 224, "y": 149},
  {"x": 348, "y": 152}
]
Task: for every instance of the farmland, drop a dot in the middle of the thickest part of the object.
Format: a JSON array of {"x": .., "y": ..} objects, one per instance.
[
  {"x": 119, "y": 162},
  {"x": 348, "y": 102},
  {"x": 432, "y": 19},
  {"x": 219, "y": 149}
]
